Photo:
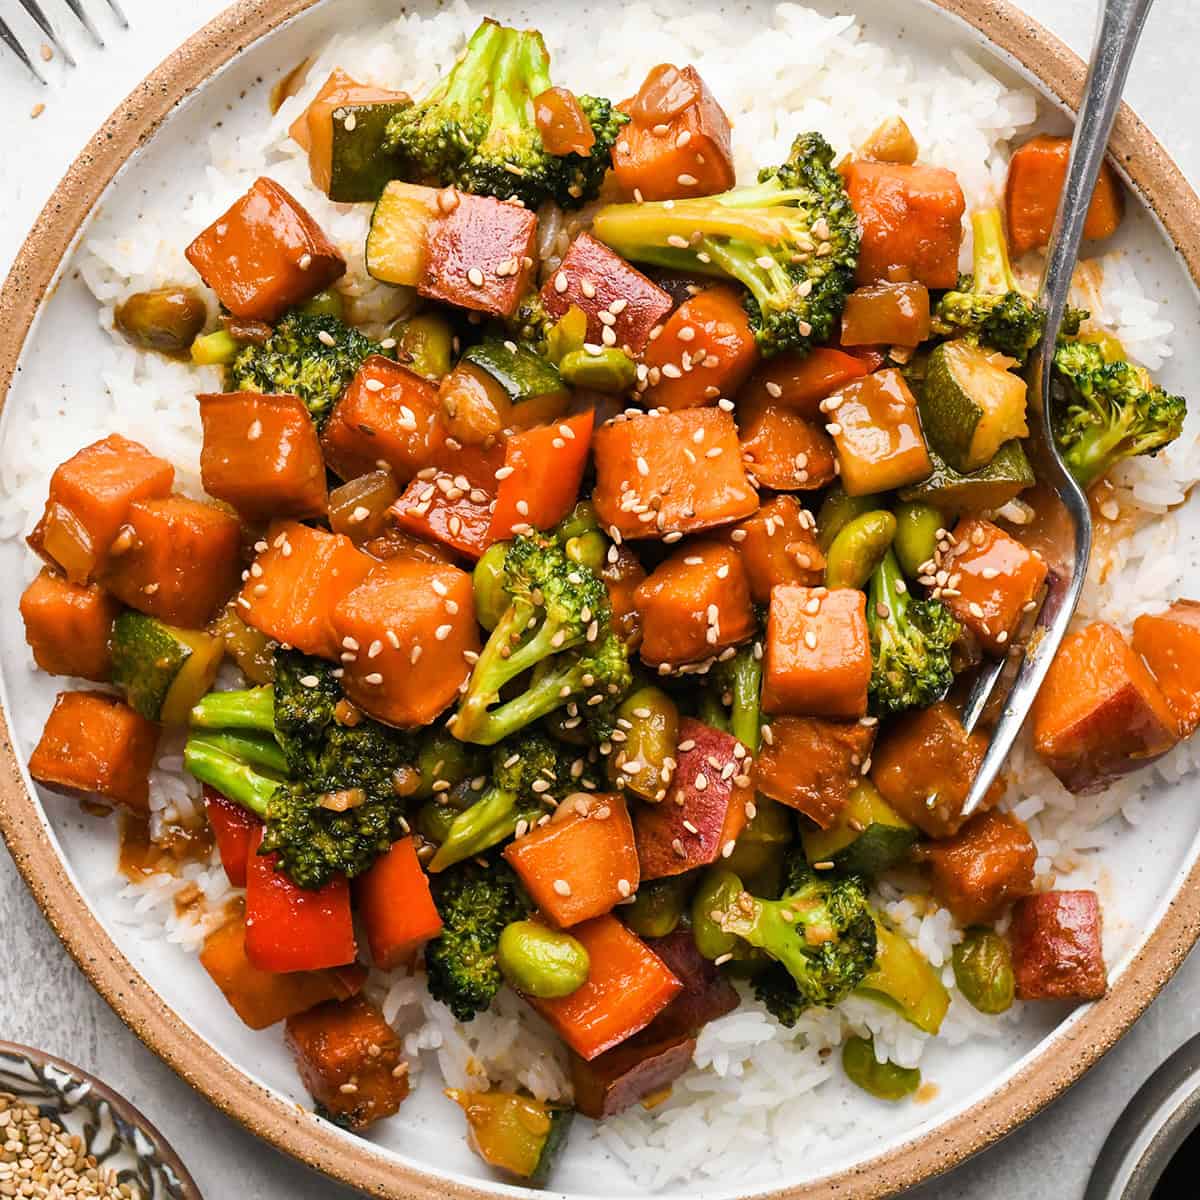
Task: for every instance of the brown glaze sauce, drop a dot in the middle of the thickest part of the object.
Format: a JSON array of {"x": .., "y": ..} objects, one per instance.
[{"x": 140, "y": 857}]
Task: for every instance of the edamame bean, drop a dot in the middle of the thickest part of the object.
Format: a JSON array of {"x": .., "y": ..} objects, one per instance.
[
  {"x": 766, "y": 838},
  {"x": 611, "y": 370},
  {"x": 983, "y": 970},
  {"x": 649, "y": 719},
  {"x": 567, "y": 334},
  {"x": 884, "y": 1080},
  {"x": 658, "y": 906},
  {"x": 717, "y": 891},
  {"x": 540, "y": 961},
  {"x": 487, "y": 582},
  {"x": 580, "y": 520},
  {"x": 434, "y": 820},
  {"x": 838, "y": 509},
  {"x": 858, "y": 549},
  {"x": 165, "y": 319},
  {"x": 328, "y": 303},
  {"x": 426, "y": 344},
  {"x": 444, "y": 760},
  {"x": 916, "y": 539},
  {"x": 588, "y": 549}
]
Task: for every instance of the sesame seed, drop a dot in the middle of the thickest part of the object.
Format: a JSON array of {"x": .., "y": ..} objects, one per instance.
[
  {"x": 475, "y": 277},
  {"x": 562, "y": 887},
  {"x": 679, "y": 243},
  {"x": 686, "y": 180},
  {"x": 374, "y": 679},
  {"x": 588, "y": 288},
  {"x": 325, "y": 337}
]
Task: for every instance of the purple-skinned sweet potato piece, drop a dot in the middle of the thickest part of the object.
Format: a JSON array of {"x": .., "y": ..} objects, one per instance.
[
  {"x": 621, "y": 1077},
  {"x": 706, "y": 994}
]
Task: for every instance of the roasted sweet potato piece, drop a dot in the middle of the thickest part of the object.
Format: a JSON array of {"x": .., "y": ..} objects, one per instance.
[
  {"x": 986, "y": 865},
  {"x": 623, "y": 574},
  {"x": 263, "y": 998},
  {"x": 876, "y": 427},
  {"x": 886, "y": 314},
  {"x": 95, "y": 743},
  {"x": 705, "y": 350},
  {"x": 694, "y": 604},
  {"x": 818, "y": 658},
  {"x": 924, "y": 766},
  {"x": 678, "y": 141},
  {"x": 580, "y": 867},
  {"x": 265, "y": 255},
  {"x": 1169, "y": 641},
  {"x": 596, "y": 280},
  {"x": 261, "y": 455},
  {"x": 396, "y": 907},
  {"x": 405, "y": 631},
  {"x": 708, "y": 805},
  {"x": 350, "y": 1061},
  {"x": 627, "y": 987},
  {"x": 1037, "y": 172},
  {"x": 234, "y": 828},
  {"x": 801, "y": 381},
  {"x": 997, "y": 577},
  {"x": 706, "y": 994},
  {"x": 1100, "y": 714},
  {"x": 910, "y": 218},
  {"x": 176, "y": 559},
  {"x": 480, "y": 254},
  {"x": 693, "y": 476},
  {"x": 388, "y": 415},
  {"x": 89, "y": 499},
  {"x": 1057, "y": 948},
  {"x": 297, "y": 579},
  {"x": 619, "y": 1078},
  {"x": 783, "y": 450},
  {"x": 68, "y": 626},
  {"x": 778, "y": 544},
  {"x": 811, "y": 764}
]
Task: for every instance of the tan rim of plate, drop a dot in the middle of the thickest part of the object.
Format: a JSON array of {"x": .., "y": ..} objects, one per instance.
[{"x": 272, "y": 1117}]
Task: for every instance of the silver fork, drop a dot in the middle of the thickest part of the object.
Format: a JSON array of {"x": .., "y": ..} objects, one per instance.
[
  {"x": 1121, "y": 23},
  {"x": 39, "y": 18}
]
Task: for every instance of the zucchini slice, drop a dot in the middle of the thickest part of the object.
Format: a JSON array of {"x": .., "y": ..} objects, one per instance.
[
  {"x": 903, "y": 980},
  {"x": 359, "y": 166},
  {"x": 993, "y": 486},
  {"x": 163, "y": 670},
  {"x": 523, "y": 374},
  {"x": 971, "y": 404},
  {"x": 868, "y": 837},
  {"x": 396, "y": 241}
]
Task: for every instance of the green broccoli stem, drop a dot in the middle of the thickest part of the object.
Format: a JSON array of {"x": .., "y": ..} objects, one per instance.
[
  {"x": 993, "y": 272},
  {"x": 488, "y": 821},
  {"x": 472, "y": 74},
  {"x": 253, "y": 708},
  {"x": 234, "y": 779},
  {"x": 745, "y": 718},
  {"x": 255, "y": 749},
  {"x": 1091, "y": 456},
  {"x": 486, "y": 725},
  {"x": 521, "y": 72},
  {"x": 711, "y": 711},
  {"x": 887, "y": 590}
]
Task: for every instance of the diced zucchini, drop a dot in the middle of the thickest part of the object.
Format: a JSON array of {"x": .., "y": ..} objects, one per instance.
[
  {"x": 163, "y": 670},
  {"x": 993, "y": 486},
  {"x": 902, "y": 979},
  {"x": 513, "y": 1132},
  {"x": 971, "y": 404},
  {"x": 252, "y": 650},
  {"x": 868, "y": 837},
  {"x": 523, "y": 374},
  {"x": 399, "y": 231},
  {"x": 764, "y": 842},
  {"x": 359, "y": 166}
]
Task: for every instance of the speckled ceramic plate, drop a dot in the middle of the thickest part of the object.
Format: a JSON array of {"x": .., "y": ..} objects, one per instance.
[{"x": 984, "y": 1090}]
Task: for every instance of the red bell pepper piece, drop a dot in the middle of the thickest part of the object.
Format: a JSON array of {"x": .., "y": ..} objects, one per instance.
[
  {"x": 396, "y": 906},
  {"x": 234, "y": 828}
]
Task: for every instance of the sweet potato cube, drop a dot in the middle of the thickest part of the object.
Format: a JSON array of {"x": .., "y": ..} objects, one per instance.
[
  {"x": 986, "y": 865},
  {"x": 693, "y": 473},
  {"x": 350, "y": 1060},
  {"x": 924, "y": 766},
  {"x": 90, "y": 495},
  {"x": 265, "y": 255},
  {"x": 811, "y": 764},
  {"x": 95, "y": 743},
  {"x": 261, "y": 455},
  {"x": 297, "y": 579},
  {"x": 877, "y": 431},
  {"x": 706, "y": 350},
  {"x": 480, "y": 255},
  {"x": 627, "y": 987},
  {"x": 1037, "y": 172},
  {"x": 997, "y": 578},
  {"x": 1057, "y": 949},
  {"x": 910, "y": 219},
  {"x": 176, "y": 559},
  {"x": 706, "y": 808},
  {"x": 801, "y": 381},
  {"x": 886, "y": 314},
  {"x": 1100, "y": 714},
  {"x": 581, "y": 867},
  {"x": 262, "y": 998},
  {"x": 396, "y": 906},
  {"x": 413, "y": 624},
  {"x": 778, "y": 544},
  {"x": 68, "y": 626},
  {"x": 783, "y": 450},
  {"x": 694, "y": 604},
  {"x": 619, "y": 1078},
  {"x": 623, "y": 574},
  {"x": 441, "y": 510},
  {"x": 678, "y": 142},
  {"x": 388, "y": 415},
  {"x": 818, "y": 659},
  {"x": 1169, "y": 642},
  {"x": 706, "y": 994},
  {"x": 593, "y": 278}
]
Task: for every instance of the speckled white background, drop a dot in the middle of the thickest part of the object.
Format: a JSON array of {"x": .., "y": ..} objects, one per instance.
[{"x": 46, "y": 1002}]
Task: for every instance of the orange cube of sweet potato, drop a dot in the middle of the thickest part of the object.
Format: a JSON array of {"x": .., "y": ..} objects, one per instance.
[
  {"x": 1057, "y": 949},
  {"x": 778, "y": 544},
  {"x": 68, "y": 626},
  {"x": 986, "y": 865},
  {"x": 783, "y": 451},
  {"x": 1169, "y": 641}
]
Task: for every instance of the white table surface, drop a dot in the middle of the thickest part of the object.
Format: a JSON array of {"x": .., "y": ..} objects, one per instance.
[{"x": 46, "y": 1002}]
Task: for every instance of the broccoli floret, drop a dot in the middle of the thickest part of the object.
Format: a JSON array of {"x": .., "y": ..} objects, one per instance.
[
  {"x": 310, "y": 356},
  {"x": 556, "y": 626},
  {"x": 910, "y": 643},
  {"x": 475, "y": 904},
  {"x": 821, "y": 932},
  {"x": 332, "y": 809},
  {"x": 528, "y": 772},
  {"x": 791, "y": 240},
  {"x": 737, "y": 682},
  {"x": 476, "y": 129},
  {"x": 1106, "y": 411}
]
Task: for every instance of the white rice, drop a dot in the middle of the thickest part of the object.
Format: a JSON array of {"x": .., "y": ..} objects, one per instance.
[{"x": 752, "y": 1078}]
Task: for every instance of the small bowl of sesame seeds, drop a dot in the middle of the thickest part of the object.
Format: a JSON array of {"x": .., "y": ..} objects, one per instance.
[{"x": 65, "y": 1134}]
